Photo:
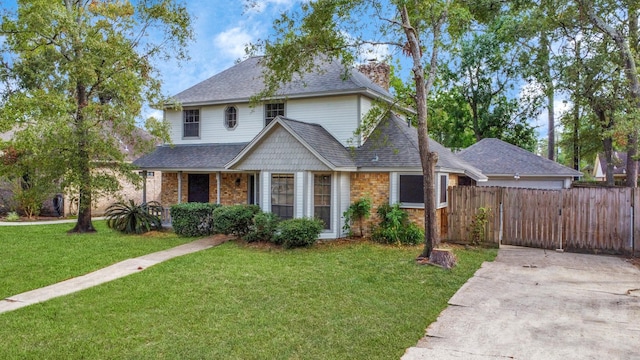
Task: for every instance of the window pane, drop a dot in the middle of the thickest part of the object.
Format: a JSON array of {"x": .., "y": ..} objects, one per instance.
[
  {"x": 282, "y": 192},
  {"x": 443, "y": 188},
  {"x": 322, "y": 199},
  {"x": 271, "y": 111},
  {"x": 411, "y": 189},
  {"x": 191, "y": 123}
]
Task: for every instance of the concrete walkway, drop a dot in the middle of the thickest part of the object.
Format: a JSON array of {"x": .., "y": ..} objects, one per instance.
[
  {"x": 536, "y": 304},
  {"x": 43, "y": 222},
  {"x": 115, "y": 271}
]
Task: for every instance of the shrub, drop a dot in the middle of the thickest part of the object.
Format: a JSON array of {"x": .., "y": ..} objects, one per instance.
[
  {"x": 298, "y": 232},
  {"x": 12, "y": 216},
  {"x": 358, "y": 211},
  {"x": 130, "y": 218},
  {"x": 193, "y": 219},
  {"x": 395, "y": 228},
  {"x": 478, "y": 225},
  {"x": 264, "y": 227},
  {"x": 234, "y": 219}
]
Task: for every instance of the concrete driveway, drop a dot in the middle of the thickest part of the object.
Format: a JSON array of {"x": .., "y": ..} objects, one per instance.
[{"x": 537, "y": 304}]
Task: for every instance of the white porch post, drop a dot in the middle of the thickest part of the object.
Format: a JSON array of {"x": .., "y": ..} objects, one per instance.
[
  {"x": 144, "y": 186},
  {"x": 218, "y": 184}
]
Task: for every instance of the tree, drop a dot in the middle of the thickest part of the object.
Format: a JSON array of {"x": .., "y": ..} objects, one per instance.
[
  {"x": 477, "y": 91},
  {"x": 76, "y": 74},
  {"x": 337, "y": 29},
  {"x": 618, "y": 21}
]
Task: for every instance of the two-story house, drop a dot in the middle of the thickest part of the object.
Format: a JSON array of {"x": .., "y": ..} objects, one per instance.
[{"x": 292, "y": 155}]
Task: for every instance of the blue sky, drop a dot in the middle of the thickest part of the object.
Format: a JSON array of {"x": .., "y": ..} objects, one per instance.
[{"x": 222, "y": 29}]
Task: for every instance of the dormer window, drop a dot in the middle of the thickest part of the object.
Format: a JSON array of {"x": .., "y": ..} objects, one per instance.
[
  {"x": 231, "y": 117},
  {"x": 191, "y": 122},
  {"x": 271, "y": 111}
]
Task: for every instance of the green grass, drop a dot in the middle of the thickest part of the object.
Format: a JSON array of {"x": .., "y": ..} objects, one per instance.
[
  {"x": 34, "y": 256},
  {"x": 350, "y": 301}
]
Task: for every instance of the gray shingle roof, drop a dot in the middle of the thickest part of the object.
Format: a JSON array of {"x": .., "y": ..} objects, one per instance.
[
  {"x": 394, "y": 144},
  {"x": 243, "y": 80},
  {"x": 319, "y": 139},
  {"x": 189, "y": 157},
  {"x": 619, "y": 162},
  {"x": 496, "y": 157}
]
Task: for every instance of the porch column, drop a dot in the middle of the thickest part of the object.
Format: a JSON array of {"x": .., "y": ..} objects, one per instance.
[
  {"x": 144, "y": 186},
  {"x": 218, "y": 184},
  {"x": 179, "y": 187}
]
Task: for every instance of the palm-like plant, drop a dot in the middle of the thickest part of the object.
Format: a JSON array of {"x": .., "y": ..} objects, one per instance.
[{"x": 131, "y": 218}]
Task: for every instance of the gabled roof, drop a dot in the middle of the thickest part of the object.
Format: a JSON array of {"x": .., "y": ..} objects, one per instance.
[
  {"x": 312, "y": 136},
  {"x": 394, "y": 144},
  {"x": 202, "y": 157},
  {"x": 243, "y": 80},
  {"x": 496, "y": 157},
  {"x": 619, "y": 162}
]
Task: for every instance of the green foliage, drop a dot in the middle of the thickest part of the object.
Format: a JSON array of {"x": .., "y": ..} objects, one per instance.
[
  {"x": 298, "y": 232},
  {"x": 357, "y": 212},
  {"x": 75, "y": 76},
  {"x": 193, "y": 219},
  {"x": 234, "y": 219},
  {"x": 12, "y": 216},
  {"x": 477, "y": 228},
  {"x": 131, "y": 218},
  {"x": 395, "y": 228},
  {"x": 264, "y": 227}
]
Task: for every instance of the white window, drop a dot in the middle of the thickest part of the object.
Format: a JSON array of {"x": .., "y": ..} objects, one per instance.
[
  {"x": 411, "y": 193},
  {"x": 322, "y": 198},
  {"x": 191, "y": 122},
  {"x": 231, "y": 117},
  {"x": 271, "y": 111},
  {"x": 282, "y": 195}
]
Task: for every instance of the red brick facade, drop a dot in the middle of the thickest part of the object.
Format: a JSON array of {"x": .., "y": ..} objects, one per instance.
[{"x": 233, "y": 189}]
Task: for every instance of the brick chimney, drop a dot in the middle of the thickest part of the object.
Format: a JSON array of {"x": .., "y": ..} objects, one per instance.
[{"x": 378, "y": 72}]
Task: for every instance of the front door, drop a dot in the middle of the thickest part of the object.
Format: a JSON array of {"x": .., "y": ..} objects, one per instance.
[{"x": 198, "y": 188}]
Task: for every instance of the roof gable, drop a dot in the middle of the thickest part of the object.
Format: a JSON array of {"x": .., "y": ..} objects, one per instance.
[
  {"x": 394, "y": 144},
  {"x": 496, "y": 157},
  {"x": 243, "y": 80},
  {"x": 313, "y": 138}
]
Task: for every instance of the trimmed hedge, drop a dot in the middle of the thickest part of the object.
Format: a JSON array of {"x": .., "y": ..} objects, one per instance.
[
  {"x": 234, "y": 219},
  {"x": 298, "y": 232},
  {"x": 193, "y": 219},
  {"x": 264, "y": 227}
]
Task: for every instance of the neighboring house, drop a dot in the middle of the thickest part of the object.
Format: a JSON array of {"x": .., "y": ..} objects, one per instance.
[
  {"x": 292, "y": 155},
  {"x": 100, "y": 202},
  {"x": 511, "y": 166},
  {"x": 619, "y": 167}
]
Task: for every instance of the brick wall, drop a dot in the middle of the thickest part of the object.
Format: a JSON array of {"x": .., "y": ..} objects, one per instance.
[
  {"x": 374, "y": 186},
  {"x": 230, "y": 193}
]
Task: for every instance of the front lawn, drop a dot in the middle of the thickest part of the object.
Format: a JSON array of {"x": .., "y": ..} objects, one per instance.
[
  {"x": 344, "y": 301},
  {"x": 34, "y": 256}
]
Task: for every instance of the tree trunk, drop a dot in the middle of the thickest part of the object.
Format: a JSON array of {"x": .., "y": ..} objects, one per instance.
[
  {"x": 427, "y": 158},
  {"x": 443, "y": 257},
  {"x": 84, "y": 224},
  {"x": 549, "y": 92},
  {"x": 607, "y": 143}
]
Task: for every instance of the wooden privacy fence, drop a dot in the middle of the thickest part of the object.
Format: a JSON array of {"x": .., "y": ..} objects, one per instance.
[{"x": 579, "y": 219}]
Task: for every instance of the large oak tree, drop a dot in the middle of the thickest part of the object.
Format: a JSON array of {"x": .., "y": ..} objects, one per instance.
[{"x": 75, "y": 75}]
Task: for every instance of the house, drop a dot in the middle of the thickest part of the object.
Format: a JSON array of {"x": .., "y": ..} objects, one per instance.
[
  {"x": 511, "y": 166},
  {"x": 619, "y": 167},
  {"x": 293, "y": 155},
  {"x": 101, "y": 202}
]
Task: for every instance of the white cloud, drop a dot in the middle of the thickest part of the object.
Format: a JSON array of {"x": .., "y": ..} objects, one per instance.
[{"x": 232, "y": 42}]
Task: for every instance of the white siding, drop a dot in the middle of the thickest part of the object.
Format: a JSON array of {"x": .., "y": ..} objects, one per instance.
[
  {"x": 299, "y": 198},
  {"x": 337, "y": 114},
  {"x": 212, "y": 129}
]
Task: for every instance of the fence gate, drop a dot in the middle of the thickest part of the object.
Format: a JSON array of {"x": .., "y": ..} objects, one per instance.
[{"x": 579, "y": 219}]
